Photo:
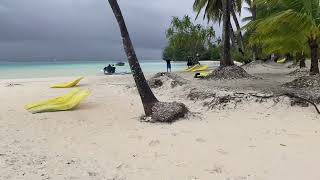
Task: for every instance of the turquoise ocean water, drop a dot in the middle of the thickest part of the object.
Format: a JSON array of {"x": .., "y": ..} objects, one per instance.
[{"x": 21, "y": 70}]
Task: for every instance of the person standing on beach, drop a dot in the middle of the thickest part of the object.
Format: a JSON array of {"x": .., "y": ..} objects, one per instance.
[
  {"x": 168, "y": 65},
  {"x": 189, "y": 62}
]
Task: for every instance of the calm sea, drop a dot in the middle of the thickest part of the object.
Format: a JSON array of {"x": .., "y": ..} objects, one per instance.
[{"x": 14, "y": 70}]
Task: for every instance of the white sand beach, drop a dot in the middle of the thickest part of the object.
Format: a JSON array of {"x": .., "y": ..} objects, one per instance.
[{"x": 104, "y": 139}]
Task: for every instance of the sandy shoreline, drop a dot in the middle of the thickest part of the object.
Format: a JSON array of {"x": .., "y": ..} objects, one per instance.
[{"x": 103, "y": 139}]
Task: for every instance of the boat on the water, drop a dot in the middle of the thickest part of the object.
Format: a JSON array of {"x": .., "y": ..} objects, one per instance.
[{"x": 120, "y": 64}]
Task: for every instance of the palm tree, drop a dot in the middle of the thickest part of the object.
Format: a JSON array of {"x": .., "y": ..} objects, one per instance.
[
  {"x": 253, "y": 10},
  {"x": 217, "y": 10},
  {"x": 279, "y": 44},
  {"x": 226, "y": 55},
  {"x": 237, "y": 7},
  {"x": 213, "y": 12},
  {"x": 158, "y": 111},
  {"x": 291, "y": 20},
  {"x": 146, "y": 95}
]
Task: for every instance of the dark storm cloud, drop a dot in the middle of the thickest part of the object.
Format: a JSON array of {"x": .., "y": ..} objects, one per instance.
[{"x": 82, "y": 29}]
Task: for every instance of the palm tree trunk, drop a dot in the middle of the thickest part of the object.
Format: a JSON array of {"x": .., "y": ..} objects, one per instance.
[
  {"x": 301, "y": 59},
  {"x": 226, "y": 56},
  {"x": 302, "y": 62},
  {"x": 254, "y": 18},
  {"x": 233, "y": 38},
  {"x": 147, "y": 97},
  {"x": 236, "y": 22},
  {"x": 314, "y": 47}
]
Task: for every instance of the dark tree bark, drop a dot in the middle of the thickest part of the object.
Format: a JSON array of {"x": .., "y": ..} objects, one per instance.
[
  {"x": 302, "y": 62},
  {"x": 147, "y": 97},
  {"x": 314, "y": 47},
  {"x": 236, "y": 22},
  {"x": 226, "y": 56},
  {"x": 301, "y": 59},
  {"x": 233, "y": 38},
  {"x": 254, "y": 18}
]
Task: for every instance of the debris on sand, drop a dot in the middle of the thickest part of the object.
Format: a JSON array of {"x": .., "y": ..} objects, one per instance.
[
  {"x": 304, "y": 82},
  {"x": 168, "y": 111},
  {"x": 252, "y": 64},
  {"x": 293, "y": 65},
  {"x": 307, "y": 88},
  {"x": 13, "y": 84},
  {"x": 196, "y": 94},
  {"x": 160, "y": 78},
  {"x": 300, "y": 72},
  {"x": 229, "y": 72}
]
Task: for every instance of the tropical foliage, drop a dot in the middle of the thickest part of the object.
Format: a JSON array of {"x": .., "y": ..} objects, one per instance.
[
  {"x": 213, "y": 11},
  {"x": 222, "y": 10},
  {"x": 289, "y": 26},
  {"x": 185, "y": 39}
]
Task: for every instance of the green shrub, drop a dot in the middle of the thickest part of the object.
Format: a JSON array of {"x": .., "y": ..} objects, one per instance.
[
  {"x": 245, "y": 58},
  {"x": 215, "y": 53}
]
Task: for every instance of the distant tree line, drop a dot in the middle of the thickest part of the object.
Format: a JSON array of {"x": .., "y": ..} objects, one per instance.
[{"x": 187, "y": 40}]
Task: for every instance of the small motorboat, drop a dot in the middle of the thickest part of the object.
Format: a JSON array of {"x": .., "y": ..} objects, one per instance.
[
  {"x": 120, "y": 64},
  {"x": 109, "y": 69}
]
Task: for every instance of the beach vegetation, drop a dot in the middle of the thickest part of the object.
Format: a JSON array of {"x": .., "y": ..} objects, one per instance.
[
  {"x": 188, "y": 40},
  {"x": 289, "y": 26},
  {"x": 221, "y": 11},
  {"x": 213, "y": 11},
  {"x": 215, "y": 52}
]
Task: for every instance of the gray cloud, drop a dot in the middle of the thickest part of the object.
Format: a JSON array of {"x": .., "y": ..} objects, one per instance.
[{"x": 84, "y": 29}]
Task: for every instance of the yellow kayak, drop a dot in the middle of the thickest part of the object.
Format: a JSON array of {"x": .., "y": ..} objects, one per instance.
[
  {"x": 204, "y": 74},
  {"x": 201, "y": 68},
  {"x": 68, "y": 84},
  {"x": 192, "y": 68},
  {"x": 281, "y": 61},
  {"x": 62, "y": 103}
]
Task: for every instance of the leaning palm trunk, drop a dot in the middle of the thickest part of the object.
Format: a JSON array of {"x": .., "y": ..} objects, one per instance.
[
  {"x": 238, "y": 33},
  {"x": 226, "y": 56},
  {"x": 158, "y": 111},
  {"x": 254, "y": 18},
  {"x": 146, "y": 95},
  {"x": 236, "y": 22},
  {"x": 314, "y": 47},
  {"x": 233, "y": 38}
]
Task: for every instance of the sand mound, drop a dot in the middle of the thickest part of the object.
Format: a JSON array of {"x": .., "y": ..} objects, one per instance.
[
  {"x": 300, "y": 72},
  {"x": 196, "y": 94},
  {"x": 305, "y": 82},
  {"x": 161, "y": 78},
  {"x": 292, "y": 65},
  {"x": 252, "y": 64},
  {"x": 229, "y": 72}
]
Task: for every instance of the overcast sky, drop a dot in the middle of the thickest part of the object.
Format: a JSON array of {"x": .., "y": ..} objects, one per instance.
[{"x": 84, "y": 29}]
